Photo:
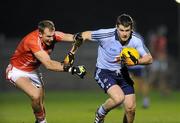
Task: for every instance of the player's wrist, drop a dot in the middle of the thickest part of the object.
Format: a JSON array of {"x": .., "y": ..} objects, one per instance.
[
  {"x": 67, "y": 68},
  {"x": 137, "y": 62},
  {"x": 78, "y": 39},
  {"x": 71, "y": 53},
  {"x": 69, "y": 59}
]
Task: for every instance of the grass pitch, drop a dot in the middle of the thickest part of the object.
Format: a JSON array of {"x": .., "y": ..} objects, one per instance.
[{"x": 79, "y": 107}]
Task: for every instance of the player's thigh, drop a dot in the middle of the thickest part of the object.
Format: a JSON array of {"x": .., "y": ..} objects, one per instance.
[
  {"x": 115, "y": 92},
  {"x": 26, "y": 85},
  {"x": 130, "y": 102}
]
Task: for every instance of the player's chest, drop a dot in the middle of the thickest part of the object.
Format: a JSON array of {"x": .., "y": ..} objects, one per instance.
[{"x": 113, "y": 48}]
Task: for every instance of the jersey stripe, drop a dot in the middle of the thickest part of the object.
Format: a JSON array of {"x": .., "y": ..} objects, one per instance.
[{"x": 103, "y": 35}]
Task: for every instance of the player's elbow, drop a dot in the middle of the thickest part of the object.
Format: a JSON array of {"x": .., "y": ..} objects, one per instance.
[{"x": 150, "y": 59}]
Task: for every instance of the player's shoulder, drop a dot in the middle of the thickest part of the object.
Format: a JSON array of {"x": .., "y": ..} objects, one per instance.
[
  {"x": 33, "y": 34},
  {"x": 106, "y": 30},
  {"x": 136, "y": 36},
  {"x": 103, "y": 33},
  {"x": 58, "y": 35},
  {"x": 32, "y": 37}
]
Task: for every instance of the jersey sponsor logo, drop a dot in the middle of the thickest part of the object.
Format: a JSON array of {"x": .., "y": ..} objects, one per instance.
[{"x": 111, "y": 49}]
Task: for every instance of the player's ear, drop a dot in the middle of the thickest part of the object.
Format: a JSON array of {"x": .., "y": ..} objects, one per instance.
[
  {"x": 40, "y": 34},
  {"x": 116, "y": 26}
]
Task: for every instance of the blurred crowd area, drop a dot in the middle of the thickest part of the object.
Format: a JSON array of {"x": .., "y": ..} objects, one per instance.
[{"x": 162, "y": 74}]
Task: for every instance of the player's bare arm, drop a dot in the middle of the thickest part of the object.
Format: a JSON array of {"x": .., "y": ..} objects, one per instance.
[
  {"x": 50, "y": 64},
  {"x": 146, "y": 59},
  {"x": 86, "y": 35},
  {"x": 65, "y": 36}
]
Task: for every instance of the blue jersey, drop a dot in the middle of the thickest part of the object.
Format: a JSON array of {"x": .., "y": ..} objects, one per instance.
[{"x": 110, "y": 47}]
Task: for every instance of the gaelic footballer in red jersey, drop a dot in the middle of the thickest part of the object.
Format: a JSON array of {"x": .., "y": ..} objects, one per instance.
[{"x": 33, "y": 50}]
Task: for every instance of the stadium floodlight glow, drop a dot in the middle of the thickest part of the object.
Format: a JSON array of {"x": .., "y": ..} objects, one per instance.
[{"x": 178, "y": 1}]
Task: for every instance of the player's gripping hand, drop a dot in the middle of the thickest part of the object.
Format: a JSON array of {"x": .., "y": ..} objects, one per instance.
[
  {"x": 133, "y": 58},
  {"x": 129, "y": 61},
  {"x": 79, "y": 71},
  {"x": 78, "y": 39},
  {"x": 69, "y": 59}
]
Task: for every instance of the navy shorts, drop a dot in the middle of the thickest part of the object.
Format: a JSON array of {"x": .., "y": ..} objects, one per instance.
[{"x": 106, "y": 78}]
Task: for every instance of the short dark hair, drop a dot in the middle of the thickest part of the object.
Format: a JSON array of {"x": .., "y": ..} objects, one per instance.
[
  {"x": 125, "y": 20},
  {"x": 45, "y": 24}
]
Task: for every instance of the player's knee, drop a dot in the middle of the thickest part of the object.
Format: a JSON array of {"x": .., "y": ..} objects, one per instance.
[
  {"x": 35, "y": 98},
  {"x": 118, "y": 100},
  {"x": 131, "y": 109}
]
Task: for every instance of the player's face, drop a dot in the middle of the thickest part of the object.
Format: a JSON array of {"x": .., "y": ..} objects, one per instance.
[
  {"x": 124, "y": 32},
  {"x": 48, "y": 36}
]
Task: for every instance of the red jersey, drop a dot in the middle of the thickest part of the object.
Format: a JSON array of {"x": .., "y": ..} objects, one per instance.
[{"x": 23, "y": 57}]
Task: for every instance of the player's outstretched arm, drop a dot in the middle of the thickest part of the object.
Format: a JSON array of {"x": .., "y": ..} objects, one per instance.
[
  {"x": 64, "y": 36},
  {"x": 49, "y": 64},
  {"x": 44, "y": 58},
  {"x": 78, "y": 38}
]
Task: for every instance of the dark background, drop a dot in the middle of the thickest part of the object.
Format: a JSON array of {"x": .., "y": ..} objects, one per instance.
[{"x": 21, "y": 16}]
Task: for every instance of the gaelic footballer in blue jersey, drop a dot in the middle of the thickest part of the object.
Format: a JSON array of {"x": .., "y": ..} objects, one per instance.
[{"x": 112, "y": 76}]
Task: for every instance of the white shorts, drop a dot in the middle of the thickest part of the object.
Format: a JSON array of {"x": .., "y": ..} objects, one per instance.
[{"x": 12, "y": 74}]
